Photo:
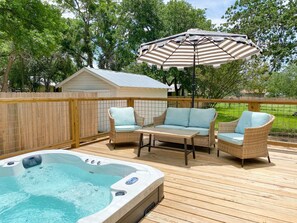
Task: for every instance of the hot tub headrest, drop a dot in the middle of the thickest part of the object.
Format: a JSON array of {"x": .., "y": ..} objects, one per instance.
[{"x": 32, "y": 161}]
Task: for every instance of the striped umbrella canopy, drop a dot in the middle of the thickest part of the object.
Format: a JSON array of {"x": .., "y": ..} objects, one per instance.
[{"x": 196, "y": 47}]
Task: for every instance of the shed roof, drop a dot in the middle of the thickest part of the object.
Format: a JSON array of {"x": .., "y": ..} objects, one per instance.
[{"x": 119, "y": 79}]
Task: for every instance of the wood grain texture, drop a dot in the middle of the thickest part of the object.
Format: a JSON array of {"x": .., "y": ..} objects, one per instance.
[{"x": 212, "y": 189}]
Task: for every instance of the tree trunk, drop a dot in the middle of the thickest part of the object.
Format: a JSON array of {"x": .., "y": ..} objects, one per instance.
[
  {"x": 88, "y": 47},
  {"x": 183, "y": 91},
  {"x": 6, "y": 73},
  {"x": 175, "y": 87}
]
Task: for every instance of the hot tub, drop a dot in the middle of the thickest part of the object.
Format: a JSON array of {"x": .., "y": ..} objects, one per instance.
[{"x": 65, "y": 186}]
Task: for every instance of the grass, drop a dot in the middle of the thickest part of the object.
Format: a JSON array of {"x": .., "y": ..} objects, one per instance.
[{"x": 284, "y": 123}]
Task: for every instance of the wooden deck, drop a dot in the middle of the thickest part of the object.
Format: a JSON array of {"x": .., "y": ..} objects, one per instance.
[{"x": 212, "y": 189}]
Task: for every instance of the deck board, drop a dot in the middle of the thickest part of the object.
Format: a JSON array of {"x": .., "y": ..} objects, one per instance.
[{"x": 212, "y": 189}]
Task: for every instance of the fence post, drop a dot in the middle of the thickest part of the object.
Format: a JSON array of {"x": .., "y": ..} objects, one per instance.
[
  {"x": 254, "y": 106},
  {"x": 74, "y": 122},
  {"x": 130, "y": 102}
]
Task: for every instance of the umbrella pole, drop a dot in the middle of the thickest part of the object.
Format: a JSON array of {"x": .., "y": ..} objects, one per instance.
[{"x": 193, "y": 78}]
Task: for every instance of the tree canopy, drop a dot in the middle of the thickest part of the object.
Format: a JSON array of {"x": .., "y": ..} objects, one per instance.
[
  {"x": 28, "y": 27},
  {"x": 284, "y": 83},
  {"x": 271, "y": 24},
  {"x": 43, "y": 42}
]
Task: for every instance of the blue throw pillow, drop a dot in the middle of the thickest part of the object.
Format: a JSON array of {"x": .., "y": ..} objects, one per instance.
[
  {"x": 201, "y": 117},
  {"x": 177, "y": 116},
  {"x": 250, "y": 119},
  {"x": 123, "y": 116}
]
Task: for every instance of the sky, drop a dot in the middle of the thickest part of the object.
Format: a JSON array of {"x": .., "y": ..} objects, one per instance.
[{"x": 215, "y": 9}]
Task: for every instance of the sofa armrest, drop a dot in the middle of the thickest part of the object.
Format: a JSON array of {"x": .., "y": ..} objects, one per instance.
[
  {"x": 227, "y": 126},
  {"x": 160, "y": 119},
  {"x": 139, "y": 119}
]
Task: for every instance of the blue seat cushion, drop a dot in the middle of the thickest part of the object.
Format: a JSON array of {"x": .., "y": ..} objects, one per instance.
[
  {"x": 177, "y": 116},
  {"x": 123, "y": 116},
  {"x": 234, "y": 138},
  {"x": 127, "y": 128},
  {"x": 171, "y": 127},
  {"x": 201, "y": 131},
  {"x": 201, "y": 117},
  {"x": 250, "y": 119}
]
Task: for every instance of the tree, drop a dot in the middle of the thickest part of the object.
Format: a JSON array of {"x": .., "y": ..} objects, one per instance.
[
  {"x": 29, "y": 73},
  {"x": 84, "y": 12},
  {"x": 284, "y": 83},
  {"x": 28, "y": 26},
  {"x": 220, "y": 82},
  {"x": 93, "y": 35},
  {"x": 107, "y": 35},
  {"x": 256, "y": 76},
  {"x": 140, "y": 21},
  {"x": 178, "y": 16},
  {"x": 72, "y": 43},
  {"x": 271, "y": 24}
]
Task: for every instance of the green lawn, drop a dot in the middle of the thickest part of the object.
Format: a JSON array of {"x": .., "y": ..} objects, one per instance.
[{"x": 284, "y": 122}]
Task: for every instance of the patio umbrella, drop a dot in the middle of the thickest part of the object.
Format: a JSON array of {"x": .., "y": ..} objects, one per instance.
[{"x": 196, "y": 47}]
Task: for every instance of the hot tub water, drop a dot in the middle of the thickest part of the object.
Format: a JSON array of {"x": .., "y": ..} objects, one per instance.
[{"x": 53, "y": 192}]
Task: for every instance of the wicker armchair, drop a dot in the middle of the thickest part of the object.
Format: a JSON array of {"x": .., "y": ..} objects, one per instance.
[
  {"x": 254, "y": 140},
  {"x": 199, "y": 140},
  {"x": 116, "y": 136}
]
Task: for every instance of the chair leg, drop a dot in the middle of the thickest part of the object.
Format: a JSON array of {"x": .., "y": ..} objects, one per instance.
[
  {"x": 208, "y": 150},
  {"x": 218, "y": 153},
  {"x": 268, "y": 159},
  {"x": 242, "y": 162},
  {"x": 109, "y": 141}
]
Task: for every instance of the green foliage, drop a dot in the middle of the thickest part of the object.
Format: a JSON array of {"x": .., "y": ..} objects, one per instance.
[
  {"x": 141, "y": 21},
  {"x": 84, "y": 28},
  {"x": 30, "y": 25},
  {"x": 113, "y": 50},
  {"x": 256, "y": 76},
  {"x": 27, "y": 27},
  {"x": 36, "y": 43},
  {"x": 30, "y": 73},
  {"x": 156, "y": 21},
  {"x": 219, "y": 82},
  {"x": 270, "y": 23},
  {"x": 284, "y": 83},
  {"x": 72, "y": 43},
  {"x": 178, "y": 16}
]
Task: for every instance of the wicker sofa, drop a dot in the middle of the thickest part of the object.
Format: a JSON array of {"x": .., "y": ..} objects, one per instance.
[
  {"x": 202, "y": 120},
  {"x": 246, "y": 137},
  {"x": 123, "y": 123}
]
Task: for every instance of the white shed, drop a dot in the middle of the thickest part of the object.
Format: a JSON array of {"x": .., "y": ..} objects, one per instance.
[
  {"x": 118, "y": 84},
  {"x": 114, "y": 84}
]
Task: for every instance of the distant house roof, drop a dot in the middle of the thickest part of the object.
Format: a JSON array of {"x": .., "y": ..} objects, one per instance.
[{"x": 119, "y": 79}]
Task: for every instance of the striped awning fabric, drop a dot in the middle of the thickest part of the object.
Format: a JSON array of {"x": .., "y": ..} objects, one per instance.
[{"x": 210, "y": 48}]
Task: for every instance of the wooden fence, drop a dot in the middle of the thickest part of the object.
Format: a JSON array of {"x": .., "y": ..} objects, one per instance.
[
  {"x": 32, "y": 121},
  {"x": 38, "y": 120}
]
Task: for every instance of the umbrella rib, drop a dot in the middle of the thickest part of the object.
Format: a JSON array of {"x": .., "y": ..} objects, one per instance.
[
  {"x": 173, "y": 52},
  {"x": 220, "y": 47}
]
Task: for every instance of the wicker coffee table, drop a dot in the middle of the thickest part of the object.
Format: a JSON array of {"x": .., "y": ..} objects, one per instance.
[{"x": 175, "y": 133}]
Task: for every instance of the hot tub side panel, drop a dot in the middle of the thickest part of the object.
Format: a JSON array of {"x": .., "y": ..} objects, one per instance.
[{"x": 144, "y": 207}]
